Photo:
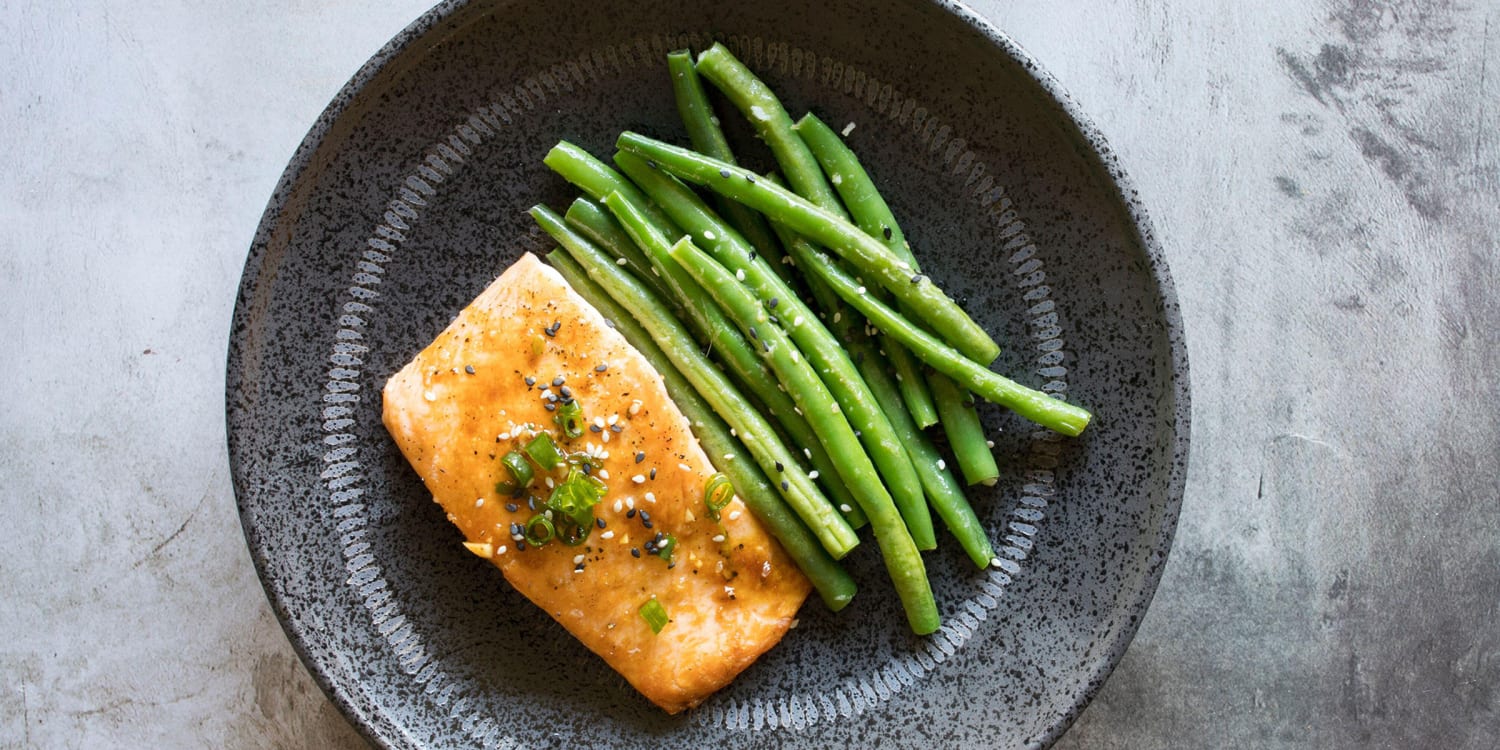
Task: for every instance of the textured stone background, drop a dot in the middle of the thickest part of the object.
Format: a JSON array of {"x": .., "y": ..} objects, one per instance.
[{"x": 1324, "y": 178}]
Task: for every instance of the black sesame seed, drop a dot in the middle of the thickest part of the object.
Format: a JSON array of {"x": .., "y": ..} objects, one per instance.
[
  {"x": 469, "y": 369},
  {"x": 775, "y": 321},
  {"x": 566, "y": 392},
  {"x": 647, "y": 524},
  {"x": 916, "y": 279},
  {"x": 515, "y": 528},
  {"x": 549, "y": 406},
  {"x": 601, "y": 368},
  {"x": 530, "y": 380},
  {"x": 645, "y": 516},
  {"x": 585, "y": 467},
  {"x": 779, "y": 467},
  {"x": 671, "y": 565},
  {"x": 617, "y": 428},
  {"x": 521, "y": 546},
  {"x": 653, "y": 473},
  {"x": 595, "y": 428},
  {"x": 751, "y": 178},
  {"x": 651, "y": 163},
  {"x": 752, "y": 255},
  {"x": 766, "y": 345},
  {"x": 578, "y": 568},
  {"x": 774, "y": 301},
  {"x": 635, "y": 552},
  {"x": 723, "y": 173},
  {"x": 599, "y": 522},
  {"x": 754, "y": 334},
  {"x": 531, "y": 502},
  {"x": 630, "y": 513},
  {"x": 886, "y": 231},
  {"x": 641, "y": 456},
  {"x": 559, "y": 380},
  {"x": 512, "y": 507},
  {"x": 785, "y": 485}
]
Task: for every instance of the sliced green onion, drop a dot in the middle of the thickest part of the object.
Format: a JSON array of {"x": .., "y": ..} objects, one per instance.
[
  {"x": 544, "y": 451},
  {"x": 664, "y": 550},
  {"x": 576, "y": 497},
  {"x": 537, "y": 539},
  {"x": 520, "y": 472},
  {"x": 654, "y": 614},
  {"x": 569, "y": 417},
  {"x": 717, "y": 494}
]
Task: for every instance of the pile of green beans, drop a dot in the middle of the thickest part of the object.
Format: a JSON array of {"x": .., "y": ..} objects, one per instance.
[{"x": 828, "y": 391}]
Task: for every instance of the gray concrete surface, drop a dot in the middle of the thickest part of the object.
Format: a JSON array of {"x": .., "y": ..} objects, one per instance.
[{"x": 1323, "y": 175}]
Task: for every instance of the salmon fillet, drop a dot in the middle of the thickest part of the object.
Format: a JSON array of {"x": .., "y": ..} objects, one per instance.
[{"x": 730, "y": 592}]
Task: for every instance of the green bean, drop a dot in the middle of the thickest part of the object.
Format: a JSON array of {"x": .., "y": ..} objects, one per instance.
[
  {"x": 902, "y": 560},
  {"x": 873, "y": 215},
  {"x": 760, "y": 106},
  {"x": 833, "y": 584},
  {"x": 1054, "y": 414},
  {"x": 826, "y": 353},
  {"x": 733, "y": 349},
  {"x": 595, "y": 223},
  {"x": 878, "y": 380},
  {"x": 872, "y": 259},
  {"x": 704, "y": 131},
  {"x": 596, "y": 179}
]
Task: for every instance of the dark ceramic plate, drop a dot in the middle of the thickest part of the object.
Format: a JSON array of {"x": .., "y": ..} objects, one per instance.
[{"x": 409, "y": 196}]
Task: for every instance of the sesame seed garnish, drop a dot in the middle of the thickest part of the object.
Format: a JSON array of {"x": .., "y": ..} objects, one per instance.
[
  {"x": 860, "y": 290},
  {"x": 837, "y": 315},
  {"x": 942, "y": 465},
  {"x": 916, "y": 278},
  {"x": 653, "y": 472},
  {"x": 549, "y": 406},
  {"x": 599, "y": 522},
  {"x": 750, "y": 178},
  {"x": 640, "y": 456},
  {"x": 886, "y": 231},
  {"x": 622, "y": 262},
  {"x": 990, "y": 443},
  {"x": 601, "y": 367},
  {"x": 734, "y": 515},
  {"x": 845, "y": 508},
  {"x": 630, "y": 502},
  {"x": 638, "y": 479},
  {"x": 708, "y": 235},
  {"x": 645, "y": 523},
  {"x": 604, "y": 473},
  {"x": 835, "y": 409},
  {"x": 616, "y": 428},
  {"x": 566, "y": 392},
  {"x": 728, "y": 456},
  {"x": 500, "y": 550},
  {"x": 724, "y": 173},
  {"x": 635, "y": 552},
  {"x": 651, "y": 163},
  {"x": 630, "y": 513},
  {"x": 530, "y": 380},
  {"x": 512, "y": 507},
  {"x": 684, "y": 467},
  {"x": 619, "y": 505},
  {"x": 650, "y": 497},
  {"x": 607, "y": 535},
  {"x": 469, "y": 369},
  {"x": 780, "y": 467},
  {"x": 754, "y": 334},
  {"x": 773, "y": 302},
  {"x": 807, "y": 452},
  {"x": 719, "y": 538},
  {"x": 785, "y": 485},
  {"x": 550, "y": 483},
  {"x": 796, "y": 356},
  {"x": 577, "y": 559},
  {"x": 635, "y": 408},
  {"x": 595, "y": 428},
  {"x": 479, "y": 503},
  {"x": 739, "y": 274},
  {"x": 812, "y": 474},
  {"x": 645, "y": 517}
]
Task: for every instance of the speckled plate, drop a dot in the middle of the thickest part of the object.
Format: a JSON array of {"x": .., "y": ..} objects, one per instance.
[{"x": 408, "y": 197}]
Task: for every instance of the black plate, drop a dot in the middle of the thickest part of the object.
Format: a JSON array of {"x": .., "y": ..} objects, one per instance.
[{"x": 408, "y": 197}]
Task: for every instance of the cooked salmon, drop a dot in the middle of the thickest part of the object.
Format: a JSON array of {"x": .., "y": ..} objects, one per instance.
[{"x": 483, "y": 388}]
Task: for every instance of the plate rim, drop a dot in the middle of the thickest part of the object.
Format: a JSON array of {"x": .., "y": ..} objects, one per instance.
[{"x": 1079, "y": 127}]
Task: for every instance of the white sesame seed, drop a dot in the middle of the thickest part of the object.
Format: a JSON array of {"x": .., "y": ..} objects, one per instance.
[
  {"x": 848, "y": 129},
  {"x": 733, "y": 433},
  {"x": 650, "y": 497},
  {"x": 837, "y": 179},
  {"x": 994, "y": 562},
  {"x": 578, "y": 570},
  {"x": 607, "y": 535},
  {"x": 605, "y": 436},
  {"x": 990, "y": 443},
  {"x": 639, "y": 479},
  {"x": 719, "y": 538},
  {"x": 796, "y": 356},
  {"x": 798, "y": 410},
  {"x": 501, "y": 549},
  {"x": 836, "y": 409},
  {"x": 599, "y": 422},
  {"x": 707, "y": 235},
  {"x": 479, "y": 503},
  {"x": 728, "y": 456},
  {"x": 734, "y": 515},
  {"x": 812, "y": 474},
  {"x": 619, "y": 505},
  {"x": 550, "y": 483},
  {"x": 860, "y": 290},
  {"x": 604, "y": 473},
  {"x": 837, "y": 316},
  {"x": 621, "y": 262},
  {"x": 942, "y": 465},
  {"x": 684, "y": 467},
  {"x": 807, "y": 452},
  {"x": 429, "y": 395},
  {"x": 635, "y": 408},
  {"x": 797, "y": 321},
  {"x": 613, "y": 419},
  {"x": 577, "y": 559},
  {"x": 630, "y": 502},
  {"x": 740, "y": 274},
  {"x": 845, "y": 508}
]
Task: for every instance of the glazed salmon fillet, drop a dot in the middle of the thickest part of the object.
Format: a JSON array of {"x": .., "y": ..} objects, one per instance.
[{"x": 482, "y": 389}]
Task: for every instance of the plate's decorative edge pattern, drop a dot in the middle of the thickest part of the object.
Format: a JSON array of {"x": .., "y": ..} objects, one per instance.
[{"x": 440, "y": 160}]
